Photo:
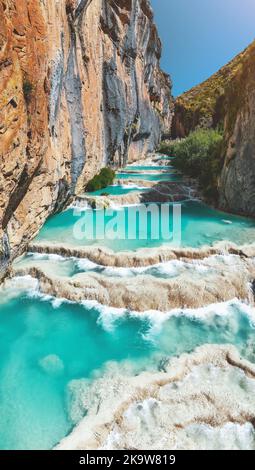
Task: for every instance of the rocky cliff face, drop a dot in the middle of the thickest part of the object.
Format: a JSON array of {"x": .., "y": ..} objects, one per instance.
[
  {"x": 227, "y": 101},
  {"x": 237, "y": 182},
  {"x": 80, "y": 88}
]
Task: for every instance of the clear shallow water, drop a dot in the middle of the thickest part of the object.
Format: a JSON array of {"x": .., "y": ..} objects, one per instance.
[
  {"x": 148, "y": 177},
  {"x": 134, "y": 172},
  {"x": 43, "y": 348},
  {"x": 117, "y": 190},
  {"x": 200, "y": 225},
  {"x": 147, "y": 167}
]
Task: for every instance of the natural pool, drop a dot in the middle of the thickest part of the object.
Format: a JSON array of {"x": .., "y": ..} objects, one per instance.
[
  {"x": 47, "y": 347},
  {"x": 147, "y": 167},
  {"x": 118, "y": 190},
  {"x": 50, "y": 350},
  {"x": 148, "y": 176},
  {"x": 200, "y": 225}
]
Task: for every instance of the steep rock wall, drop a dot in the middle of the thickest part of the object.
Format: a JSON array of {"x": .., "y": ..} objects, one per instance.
[
  {"x": 80, "y": 88},
  {"x": 227, "y": 101},
  {"x": 237, "y": 181}
]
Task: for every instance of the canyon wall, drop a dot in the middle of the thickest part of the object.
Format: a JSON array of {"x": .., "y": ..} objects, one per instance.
[
  {"x": 80, "y": 88},
  {"x": 227, "y": 101}
]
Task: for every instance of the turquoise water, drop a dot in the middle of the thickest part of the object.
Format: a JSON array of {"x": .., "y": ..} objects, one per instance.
[
  {"x": 44, "y": 348},
  {"x": 117, "y": 190},
  {"x": 133, "y": 172},
  {"x": 46, "y": 345},
  {"x": 163, "y": 157},
  {"x": 148, "y": 177},
  {"x": 148, "y": 167},
  {"x": 200, "y": 225}
]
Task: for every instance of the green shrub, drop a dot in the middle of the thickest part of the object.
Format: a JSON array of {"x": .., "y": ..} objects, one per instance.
[
  {"x": 27, "y": 90},
  {"x": 165, "y": 148},
  {"x": 199, "y": 156},
  {"x": 102, "y": 180}
]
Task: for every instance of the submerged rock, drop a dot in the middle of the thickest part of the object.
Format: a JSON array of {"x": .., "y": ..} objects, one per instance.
[{"x": 52, "y": 364}]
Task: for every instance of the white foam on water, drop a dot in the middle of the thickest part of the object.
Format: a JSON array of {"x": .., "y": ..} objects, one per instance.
[
  {"x": 168, "y": 269},
  {"x": 30, "y": 287},
  {"x": 107, "y": 315},
  {"x": 156, "y": 322},
  {"x": 218, "y": 309},
  {"x": 207, "y": 313},
  {"x": 228, "y": 222},
  {"x": 132, "y": 186},
  {"x": 153, "y": 172},
  {"x": 46, "y": 256},
  {"x": 121, "y": 272},
  {"x": 86, "y": 265},
  {"x": 122, "y": 207},
  {"x": 55, "y": 258},
  {"x": 57, "y": 302},
  {"x": 17, "y": 286}
]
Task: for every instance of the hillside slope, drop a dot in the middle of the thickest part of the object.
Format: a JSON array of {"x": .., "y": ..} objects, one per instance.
[{"x": 227, "y": 101}]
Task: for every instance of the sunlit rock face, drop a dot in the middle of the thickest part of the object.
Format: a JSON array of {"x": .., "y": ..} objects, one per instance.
[{"x": 80, "y": 88}]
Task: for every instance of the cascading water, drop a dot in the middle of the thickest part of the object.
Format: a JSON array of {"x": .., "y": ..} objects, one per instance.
[{"x": 53, "y": 350}]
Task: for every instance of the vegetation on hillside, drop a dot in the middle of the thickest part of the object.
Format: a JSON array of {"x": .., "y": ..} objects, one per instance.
[
  {"x": 102, "y": 180},
  {"x": 166, "y": 148},
  {"x": 199, "y": 156},
  {"x": 207, "y": 104},
  {"x": 214, "y": 104}
]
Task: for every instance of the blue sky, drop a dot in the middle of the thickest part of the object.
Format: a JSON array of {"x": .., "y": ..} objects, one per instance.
[{"x": 200, "y": 36}]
